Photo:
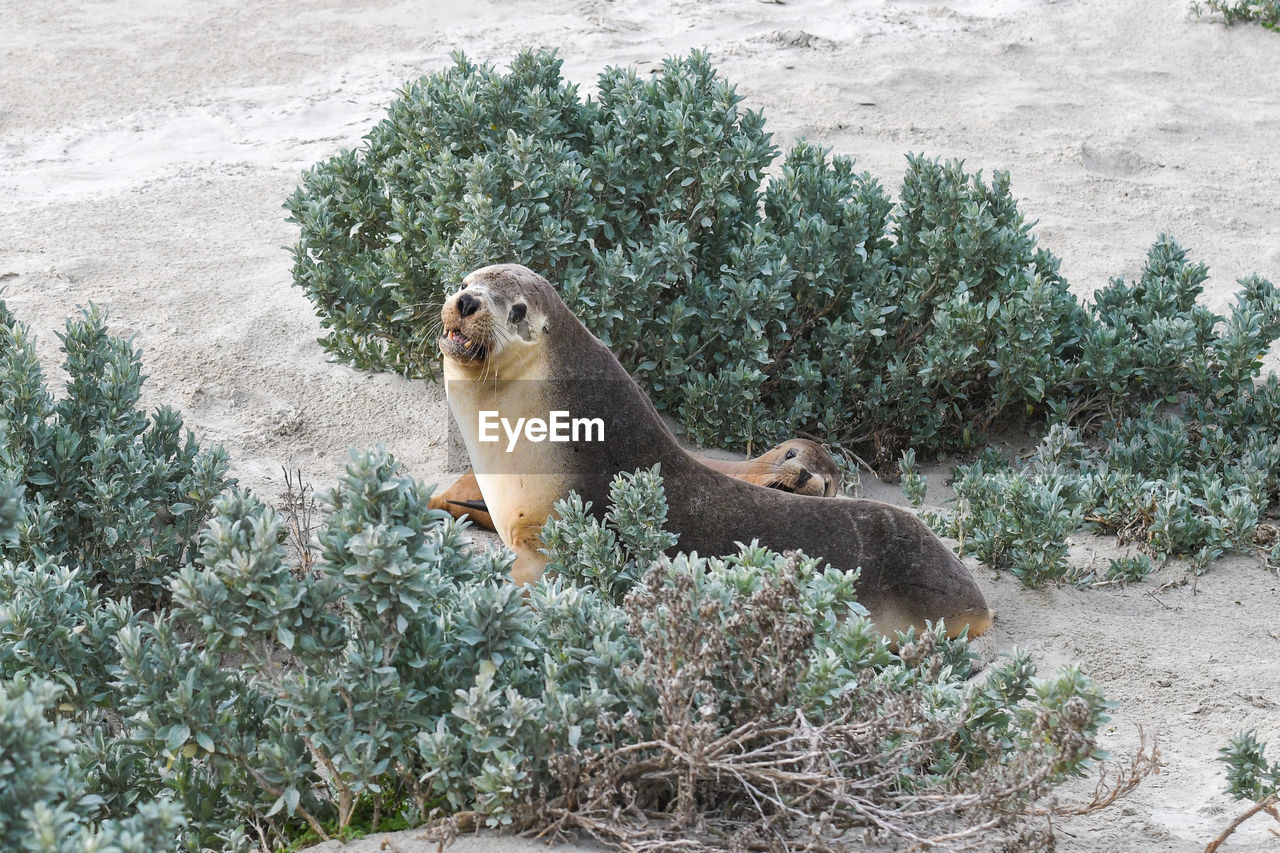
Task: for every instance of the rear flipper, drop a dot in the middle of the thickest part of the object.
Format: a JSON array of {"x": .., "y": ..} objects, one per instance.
[{"x": 464, "y": 500}]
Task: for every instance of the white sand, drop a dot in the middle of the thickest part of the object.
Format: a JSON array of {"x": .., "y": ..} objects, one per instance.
[{"x": 146, "y": 149}]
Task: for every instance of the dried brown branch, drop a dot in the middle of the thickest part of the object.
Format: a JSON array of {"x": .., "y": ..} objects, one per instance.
[
  {"x": 276, "y": 791},
  {"x": 735, "y": 755},
  {"x": 299, "y": 507},
  {"x": 767, "y": 783},
  {"x": 1266, "y": 804},
  {"x": 1144, "y": 763}
]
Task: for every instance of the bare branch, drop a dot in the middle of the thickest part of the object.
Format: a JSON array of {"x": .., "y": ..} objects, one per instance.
[{"x": 1266, "y": 804}]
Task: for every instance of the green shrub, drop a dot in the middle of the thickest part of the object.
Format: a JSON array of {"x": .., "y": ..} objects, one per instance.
[
  {"x": 914, "y": 484},
  {"x": 99, "y": 503},
  {"x": 1184, "y": 456},
  {"x": 1192, "y": 483},
  {"x": 166, "y": 684},
  {"x": 414, "y": 676},
  {"x": 764, "y": 687},
  {"x": 1264, "y": 12},
  {"x": 46, "y": 802},
  {"x": 810, "y": 303},
  {"x": 55, "y": 626},
  {"x": 105, "y": 488},
  {"x": 402, "y": 677},
  {"x": 1249, "y": 775},
  {"x": 1130, "y": 569},
  {"x": 612, "y": 554},
  {"x": 1015, "y": 520},
  {"x": 648, "y": 180}
]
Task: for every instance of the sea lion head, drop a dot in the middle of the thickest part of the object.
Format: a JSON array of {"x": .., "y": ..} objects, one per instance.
[
  {"x": 493, "y": 324},
  {"x": 801, "y": 466}
]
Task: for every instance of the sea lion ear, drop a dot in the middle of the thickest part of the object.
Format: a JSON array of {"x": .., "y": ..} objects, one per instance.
[{"x": 518, "y": 317}]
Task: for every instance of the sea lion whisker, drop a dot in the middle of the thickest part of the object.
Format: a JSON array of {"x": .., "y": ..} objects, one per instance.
[
  {"x": 501, "y": 337},
  {"x": 430, "y": 337}
]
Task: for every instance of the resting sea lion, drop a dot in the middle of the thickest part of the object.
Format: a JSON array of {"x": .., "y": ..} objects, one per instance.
[
  {"x": 515, "y": 354},
  {"x": 797, "y": 465}
]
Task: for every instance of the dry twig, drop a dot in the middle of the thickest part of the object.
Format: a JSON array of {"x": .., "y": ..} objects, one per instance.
[
  {"x": 1266, "y": 804},
  {"x": 299, "y": 506},
  {"x": 789, "y": 782}
]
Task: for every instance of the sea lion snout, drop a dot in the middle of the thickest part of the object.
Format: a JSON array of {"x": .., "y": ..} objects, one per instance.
[
  {"x": 466, "y": 330},
  {"x": 467, "y": 304}
]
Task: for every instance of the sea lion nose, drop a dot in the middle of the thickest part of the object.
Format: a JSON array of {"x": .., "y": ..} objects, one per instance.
[
  {"x": 804, "y": 477},
  {"x": 467, "y": 304}
]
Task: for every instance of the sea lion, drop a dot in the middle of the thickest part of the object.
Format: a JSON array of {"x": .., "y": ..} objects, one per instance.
[
  {"x": 514, "y": 352},
  {"x": 797, "y": 465}
]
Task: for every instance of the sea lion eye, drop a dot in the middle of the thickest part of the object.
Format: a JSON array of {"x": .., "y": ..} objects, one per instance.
[
  {"x": 517, "y": 312},
  {"x": 791, "y": 454}
]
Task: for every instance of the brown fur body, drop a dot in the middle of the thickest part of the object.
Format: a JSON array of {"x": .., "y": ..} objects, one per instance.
[
  {"x": 797, "y": 465},
  {"x": 908, "y": 575}
]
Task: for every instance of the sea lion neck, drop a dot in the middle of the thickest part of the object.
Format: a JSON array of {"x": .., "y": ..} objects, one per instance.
[{"x": 582, "y": 360}]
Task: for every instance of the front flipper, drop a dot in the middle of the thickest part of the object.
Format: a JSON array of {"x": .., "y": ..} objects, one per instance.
[{"x": 526, "y": 541}]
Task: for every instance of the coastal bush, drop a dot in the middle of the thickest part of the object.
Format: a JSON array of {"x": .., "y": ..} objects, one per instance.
[
  {"x": 405, "y": 672},
  {"x": 46, "y": 800},
  {"x": 106, "y": 489},
  {"x": 1264, "y": 12},
  {"x": 1249, "y": 777},
  {"x": 811, "y": 303},
  {"x": 1176, "y": 450},
  {"x": 387, "y": 674},
  {"x": 1193, "y": 482},
  {"x": 752, "y": 310},
  {"x": 762, "y": 706},
  {"x": 454, "y": 694},
  {"x": 611, "y": 554},
  {"x": 98, "y": 504}
]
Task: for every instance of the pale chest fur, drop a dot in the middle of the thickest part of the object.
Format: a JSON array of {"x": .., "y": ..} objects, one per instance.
[{"x": 520, "y": 479}]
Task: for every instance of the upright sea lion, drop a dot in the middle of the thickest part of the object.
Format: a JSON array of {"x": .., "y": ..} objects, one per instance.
[
  {"x": 514, "y": 353},
  {"x": 797, "y": 465}
]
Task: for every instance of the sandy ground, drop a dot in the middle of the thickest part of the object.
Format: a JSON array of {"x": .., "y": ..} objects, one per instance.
[{"x": 146, "y": 149}]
